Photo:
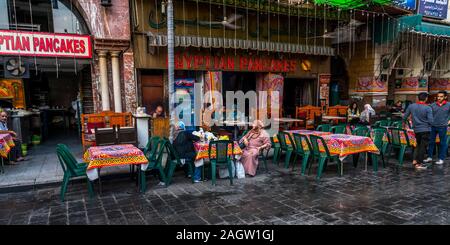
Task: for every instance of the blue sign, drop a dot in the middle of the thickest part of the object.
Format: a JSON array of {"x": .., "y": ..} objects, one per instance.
[
  {"x": 433, "y": 8},
  {"x": 405, "y": 4}
]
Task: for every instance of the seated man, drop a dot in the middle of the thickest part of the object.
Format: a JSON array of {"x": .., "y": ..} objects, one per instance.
[
  {"x": 184, "y": 144},
  {"x": 158, "y": 113},
  {"x": 16, "y": 151}
]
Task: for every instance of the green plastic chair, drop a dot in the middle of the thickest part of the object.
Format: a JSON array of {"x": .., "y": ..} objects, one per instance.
[
  {"x": 299, "y": 151},
  {"x": 395, "y": 142},
  {"x": 338, "y": 129},
  {"x": 288, "y": 149},
  {"x": 276, "y": 150},
  {"x": 173, "y": 160},
  {"x": 323, "y": 157},
  {"x": 263, "y": 155},
  {"x": 154, "y": 162},
  {"x": 324, "y": 127},
  {"x": 361, "y": 131},
  {"x": 222, "y": 158},
  {"x": 377, "y": 138},
  {"x": 150, "y": 148},
  {"x": 71, "y": 169}
]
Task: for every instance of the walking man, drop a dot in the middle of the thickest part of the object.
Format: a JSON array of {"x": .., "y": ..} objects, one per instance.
[
  {"x": 441, "y": 115},
  {"x": 422, "y": 117}
]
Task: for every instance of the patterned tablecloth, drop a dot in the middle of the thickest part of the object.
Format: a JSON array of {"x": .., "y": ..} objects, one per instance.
[
  {"x": 412, "y": 137},
  {"x": 114, "y": 155},
  {"x": 202, "y": 150},
  {"x": 344, "y": 145},
  {"x": 6, "y": 142}
]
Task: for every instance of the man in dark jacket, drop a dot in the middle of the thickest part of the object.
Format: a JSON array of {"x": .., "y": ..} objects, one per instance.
[
  {"x": 422, "y": 117},
  {"x": 441, "y": 116},
  {"x": 184, "y": 145}
]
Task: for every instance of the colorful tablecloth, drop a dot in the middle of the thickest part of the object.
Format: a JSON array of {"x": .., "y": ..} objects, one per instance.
[
  {"x": 202, "y": 150},
  {"x": 344, "y": 144},
  {"x": 114, "y": 155},
  {"x": 412, "y": 137},
  {"x": 6, "y": 143}
]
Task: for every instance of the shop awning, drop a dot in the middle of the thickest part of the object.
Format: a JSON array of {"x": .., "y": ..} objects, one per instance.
[
  {"x": 416, "y": 23},
  {"x": 390, "y": 29},
  {"x": 158, "y": 40}
]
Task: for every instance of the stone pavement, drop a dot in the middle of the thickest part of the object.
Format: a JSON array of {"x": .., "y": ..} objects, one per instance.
[{"x": 280, "y": 196}]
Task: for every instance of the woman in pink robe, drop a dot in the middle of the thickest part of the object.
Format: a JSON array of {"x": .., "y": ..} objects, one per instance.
[{"x": 255, "y": 141}]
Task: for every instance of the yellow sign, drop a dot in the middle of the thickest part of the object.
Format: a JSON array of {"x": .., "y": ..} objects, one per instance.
[{"x": 306, "y": 65}]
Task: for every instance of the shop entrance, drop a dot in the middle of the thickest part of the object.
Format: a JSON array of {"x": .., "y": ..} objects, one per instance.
[{"x": 298, "y": 92}]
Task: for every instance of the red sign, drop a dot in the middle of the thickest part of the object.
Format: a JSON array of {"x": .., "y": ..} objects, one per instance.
[
  {"x": 45, "y": 44},
  {"x": 233, "y": 63},
  {"x": 324, "y": 78}
]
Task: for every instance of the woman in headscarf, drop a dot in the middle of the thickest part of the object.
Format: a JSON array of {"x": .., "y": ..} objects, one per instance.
[
  {"x": 255, "y": 140},
  {"x": 366, "y": 114}
]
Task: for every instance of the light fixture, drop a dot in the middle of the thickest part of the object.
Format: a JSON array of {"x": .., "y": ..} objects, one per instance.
[{"x": 105, "y": 3}]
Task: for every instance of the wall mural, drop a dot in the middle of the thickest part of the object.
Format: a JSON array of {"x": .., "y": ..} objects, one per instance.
[
  {"x": 411, "y": 85},
  {"x": 438, "y": 84},
  {"x": 371, "y": 85},
  {"x": 12, "y": 89}
]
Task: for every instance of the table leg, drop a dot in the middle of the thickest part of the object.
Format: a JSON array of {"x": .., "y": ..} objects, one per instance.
[{"x": 366, "y": 161}]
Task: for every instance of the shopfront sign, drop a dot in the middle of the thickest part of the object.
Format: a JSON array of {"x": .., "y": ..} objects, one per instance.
[
  {"x": 433, "y": 8},
  {"x": 324, "y": 90},
  {"x": 411, "y": 85},
  {"x": 234, "y": 63},
  {"x": 405, "y": 4},
  {"x": 371, "y": 85},
  {"x": 45, "y": 44}
]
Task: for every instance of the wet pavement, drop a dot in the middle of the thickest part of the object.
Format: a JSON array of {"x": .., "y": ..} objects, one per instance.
[{"x": 280, "y": 196}]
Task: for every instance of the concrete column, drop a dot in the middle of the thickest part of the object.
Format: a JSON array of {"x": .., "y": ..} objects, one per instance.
[
  {"x": 116, "y": 81},
  {"x": 104, "y": 80}
]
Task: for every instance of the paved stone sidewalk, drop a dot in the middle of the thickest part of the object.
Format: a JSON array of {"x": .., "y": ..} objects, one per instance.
[{"x": 278, "y": 197}]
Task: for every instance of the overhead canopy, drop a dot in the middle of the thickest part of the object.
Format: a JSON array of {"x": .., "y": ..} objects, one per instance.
[{"x": 389, "y": 29}]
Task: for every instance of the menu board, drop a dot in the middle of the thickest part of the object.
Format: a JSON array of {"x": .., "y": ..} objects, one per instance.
[{"x": 433, "y": 8}]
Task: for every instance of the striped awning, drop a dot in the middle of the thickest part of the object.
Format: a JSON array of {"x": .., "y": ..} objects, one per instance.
[{"x": 158, "y": 40}]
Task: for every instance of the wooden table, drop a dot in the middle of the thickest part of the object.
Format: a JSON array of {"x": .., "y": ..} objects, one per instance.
[
  {"x": 333, "y": 118},
  {"x": 287, "y": 120}
]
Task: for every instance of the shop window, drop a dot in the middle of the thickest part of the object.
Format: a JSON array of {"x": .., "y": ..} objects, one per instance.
[
  {"x": 4, "y": 19},
  {"x": 37, "y": 17},
  {"x": 66, "y": 19}
]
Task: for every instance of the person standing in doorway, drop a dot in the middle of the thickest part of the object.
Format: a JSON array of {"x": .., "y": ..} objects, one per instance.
[
  {"x": 422, "y": 117},
  {"x": 441, "y": 116}
]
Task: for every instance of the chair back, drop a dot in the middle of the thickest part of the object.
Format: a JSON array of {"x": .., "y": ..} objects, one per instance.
[
  {"x": 152, "y": 146},
  {"x": 222, "y": 148},
  {"x": 377, "y": 137},
  {"x": 361, "y": 131},
  {"x": 172, "y": 153},
  {"x": 127, "y": 135},
  {"x": 156, "y": 158},
  {"x": 397, "y": 124},
  {"x": 324, "y": 127},
  {"x": 282, "y": 136},
  {"x": 274, "y": 144},
  {"x": 338, "y": 129},
  {"x": 316, "y": 145},
  {"x": 395, "y": 136},
  {"x": 105, "y": 136},
  {"x": 382, "y": 123},
  {"x": 300, "y": 139}
]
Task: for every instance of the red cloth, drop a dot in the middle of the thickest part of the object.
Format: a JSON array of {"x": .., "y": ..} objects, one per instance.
[{"x": 92, "y": 125}]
